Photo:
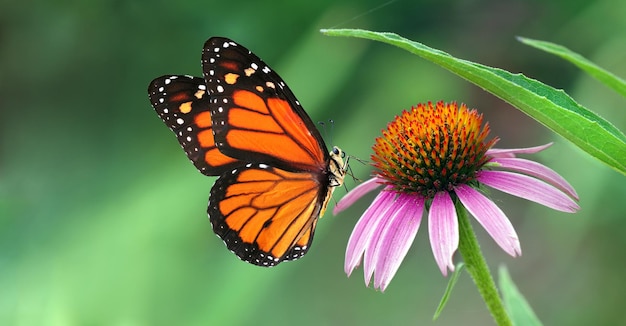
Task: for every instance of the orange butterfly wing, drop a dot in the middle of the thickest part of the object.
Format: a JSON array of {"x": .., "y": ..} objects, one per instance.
[
  {"x": 256, "y": 116},
  {"x": 264, "y": 214},
  {"x": 182, "y": 102}
]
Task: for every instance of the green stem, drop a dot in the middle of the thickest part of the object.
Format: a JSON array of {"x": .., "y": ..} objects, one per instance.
[{"x": 478, "y": 269}]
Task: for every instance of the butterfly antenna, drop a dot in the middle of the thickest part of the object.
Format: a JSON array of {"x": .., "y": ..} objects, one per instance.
[
  {"x": 328, "y": 135},
  {"x": 331, "y": 122},
  {"x": 324, "y": 130}
]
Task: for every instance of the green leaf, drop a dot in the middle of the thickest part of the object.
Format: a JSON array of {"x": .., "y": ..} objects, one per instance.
[
  {"x": 516, "y": 305},
  {"x": 446, "y": 295},
  {"x": 614, "y": 82},
  {"x": 551, "y": 107}
]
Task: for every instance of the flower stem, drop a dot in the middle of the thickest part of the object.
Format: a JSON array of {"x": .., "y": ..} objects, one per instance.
[{"x": 478, "y": 269}]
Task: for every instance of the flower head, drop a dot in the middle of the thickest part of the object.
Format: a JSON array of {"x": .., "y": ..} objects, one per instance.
[{"x": 427, "y": 159}]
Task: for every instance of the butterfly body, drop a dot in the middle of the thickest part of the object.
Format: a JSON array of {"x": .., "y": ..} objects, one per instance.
[{"x": 243, "y": 123}]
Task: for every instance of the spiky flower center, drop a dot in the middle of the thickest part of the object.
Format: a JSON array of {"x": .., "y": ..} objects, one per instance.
[{"x": 432, "y": 148}]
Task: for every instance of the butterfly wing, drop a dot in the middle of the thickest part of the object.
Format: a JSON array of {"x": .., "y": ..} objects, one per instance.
[
  {"x": 256, "y": 117},
  {"x": 182, "y": 102},
  {"x": 266, "y": 215}
]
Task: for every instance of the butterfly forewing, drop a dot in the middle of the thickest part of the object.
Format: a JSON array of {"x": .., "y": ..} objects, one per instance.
[
  {"x": 256, "y": 116},
  {"x": 182, "y": 102}
]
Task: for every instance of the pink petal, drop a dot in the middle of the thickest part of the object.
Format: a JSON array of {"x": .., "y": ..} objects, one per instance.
[
  {"x": 370, "y": 257},
  {"x": 510, "y": 152},
  {"x": 537, "y": 170},
  {"x": 361, "y": 236},
  {"x": 528, "y": 188},
  {"x": 397, "y": 238},
  {"x": 356, "y": 193},
  {"x": 491, "y": 217},
  {"x": 443, "y": 230}
]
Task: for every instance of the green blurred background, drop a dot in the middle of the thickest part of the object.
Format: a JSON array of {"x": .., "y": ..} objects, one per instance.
[{"x": 103, "y": 219}]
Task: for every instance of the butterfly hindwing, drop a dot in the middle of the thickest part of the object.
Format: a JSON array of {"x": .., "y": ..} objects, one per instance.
[
  {"x": 182, "y": 102},
  {"x": 266, "y": 215},
  {"x": 256, "y": 116}
]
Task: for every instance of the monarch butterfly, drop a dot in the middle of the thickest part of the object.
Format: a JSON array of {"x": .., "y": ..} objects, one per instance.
[{"x": 241, "y": 122}]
